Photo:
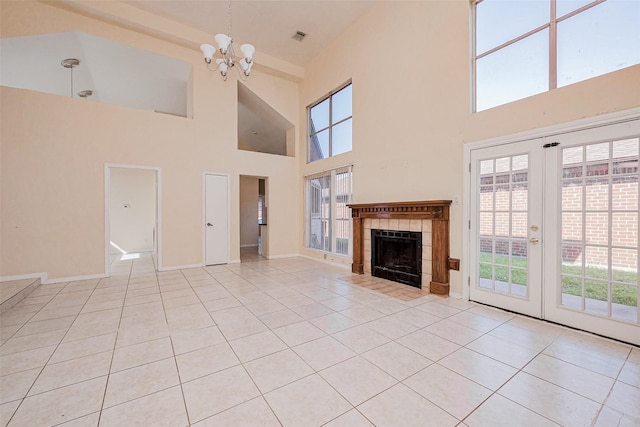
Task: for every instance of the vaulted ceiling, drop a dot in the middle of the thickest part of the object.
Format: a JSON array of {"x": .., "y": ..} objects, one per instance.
[{"x": 268, "y": 25}]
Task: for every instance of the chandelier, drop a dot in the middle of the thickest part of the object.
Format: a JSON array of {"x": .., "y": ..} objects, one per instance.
[{"x": 228, "y": 57}]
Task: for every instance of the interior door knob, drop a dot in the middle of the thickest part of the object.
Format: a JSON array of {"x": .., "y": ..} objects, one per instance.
[
  {"x": 534, "y": 241},
  {"x": 209, "y": 224}
]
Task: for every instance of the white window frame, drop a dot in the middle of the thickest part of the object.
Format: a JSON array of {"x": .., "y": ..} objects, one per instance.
[
  {"x": 551, "y": 25},
  {"x": 333, "y": 220},
  {"x": 331, "y": 124}
]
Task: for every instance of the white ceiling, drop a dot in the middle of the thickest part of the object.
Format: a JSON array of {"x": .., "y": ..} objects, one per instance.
[{"x": 266, "y": 24}]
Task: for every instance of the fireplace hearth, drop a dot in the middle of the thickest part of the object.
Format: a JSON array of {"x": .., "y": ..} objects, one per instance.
[{"x": 397, "y": 256}]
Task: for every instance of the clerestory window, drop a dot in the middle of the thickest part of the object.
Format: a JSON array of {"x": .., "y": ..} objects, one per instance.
[
  {"x": 522, "y": 48},
  {"x": 330, "y": 125}
]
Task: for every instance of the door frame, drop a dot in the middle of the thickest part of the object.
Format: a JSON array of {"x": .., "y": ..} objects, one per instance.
[
  {"x": 549, "y": 131},
  {"x": 107, "y": 212},
  {"x": 204, "y": 217}
]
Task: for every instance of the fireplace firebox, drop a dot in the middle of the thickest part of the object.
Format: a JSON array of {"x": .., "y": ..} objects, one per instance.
[{"x": 397, "y": 256}]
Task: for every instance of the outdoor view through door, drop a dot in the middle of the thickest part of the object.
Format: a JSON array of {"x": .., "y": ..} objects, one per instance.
[
  {"x": 600, "y": 228},
  {"x": 503, "y": 224}
]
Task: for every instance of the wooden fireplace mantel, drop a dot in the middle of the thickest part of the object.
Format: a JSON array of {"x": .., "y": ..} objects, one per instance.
[{"x": 435, "y": 210}]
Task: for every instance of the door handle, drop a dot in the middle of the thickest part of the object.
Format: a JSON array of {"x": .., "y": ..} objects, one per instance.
[
  {"x": 534, "y": 241},
  {"x": 209, "y": 224}
]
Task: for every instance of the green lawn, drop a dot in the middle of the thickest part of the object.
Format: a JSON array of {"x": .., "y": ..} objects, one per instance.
[{"x": 596, "y": 286}]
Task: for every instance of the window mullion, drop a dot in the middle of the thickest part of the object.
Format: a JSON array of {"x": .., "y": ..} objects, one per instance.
[
  {"x": 553, "y": 47},
  {"x": 331, "y": 126},
  {"x": 333, "y": 214}
]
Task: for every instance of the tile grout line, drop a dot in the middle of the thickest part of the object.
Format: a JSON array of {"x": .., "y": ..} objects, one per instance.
[
  {"x": 49, "y": 358},
  {"x": 115, "y": 343}
]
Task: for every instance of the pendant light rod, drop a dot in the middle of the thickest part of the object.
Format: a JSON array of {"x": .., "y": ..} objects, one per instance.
[{"x": 70, "y": 63}]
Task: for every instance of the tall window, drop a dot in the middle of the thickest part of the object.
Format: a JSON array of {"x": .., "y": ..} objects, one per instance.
[
  {"x": 523, "y": 48},
  {"x": 328, "y": 217},
  {"x": 330, "y": 125}
]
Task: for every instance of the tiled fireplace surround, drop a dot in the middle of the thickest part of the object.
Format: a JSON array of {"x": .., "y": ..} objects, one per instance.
[
  {"x": 431, "y": 218},
  {"x": 420, "y": 225}
]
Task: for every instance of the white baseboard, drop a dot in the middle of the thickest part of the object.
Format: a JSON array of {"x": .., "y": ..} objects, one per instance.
[
  {"x": 46, "y": 281},
  {"x": 283, "y": 256},
  {"x": 180, "y": 267},
  {"x": 234, "y": 261},
  {"x": 41, "y": 276},
  {"x": 326, "y": 261},
  {"x": 74, "y": 278},
  {"x": 455, "y": 295}
]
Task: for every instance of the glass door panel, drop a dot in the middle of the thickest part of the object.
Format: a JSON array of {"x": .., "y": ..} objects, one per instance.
[
  {"x": 591, "y": 274},
  {"x": 506, "y": 227},
  {"x": 599, "y": 223}
]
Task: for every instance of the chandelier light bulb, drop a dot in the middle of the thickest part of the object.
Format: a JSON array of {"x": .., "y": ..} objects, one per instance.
[
  {"x": 208, "y": 51},
  {"x": 248, "y": 50},
  {"x": 223, "y": 42},
  {"x": 222, "y": 66},
  {"x": 245, "y": 66}
]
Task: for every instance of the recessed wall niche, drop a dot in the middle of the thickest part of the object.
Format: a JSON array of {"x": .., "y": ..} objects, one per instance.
[
  {"x": 260, "y": 127},
  {"x": 115, "y": 73}
]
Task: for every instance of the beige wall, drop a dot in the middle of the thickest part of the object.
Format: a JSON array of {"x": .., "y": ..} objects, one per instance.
[
  {"x": 248, "y": 211},
  {"x": 53, "y": 152},
  {"x": 132, "y": 209},
  {"x": 411, "y": 72}
]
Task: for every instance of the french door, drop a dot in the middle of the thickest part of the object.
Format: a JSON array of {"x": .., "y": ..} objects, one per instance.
[
  {"x": 554, "y": 228},
  {"x": 507, "y": 227}
]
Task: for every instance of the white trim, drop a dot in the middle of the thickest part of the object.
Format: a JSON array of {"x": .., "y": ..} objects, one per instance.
[
  {"x": 46, "y": 281},
  {"x": 562, "y": 128},
  {"x": 233, "y": 261},
  {"x": 75, "y": 278},
  {"x": 249, "y": 246},
  {"x": 466, "y": 217},
  {"x": 204, "y": 214},
  {"x": 456, "y": 295},
  {"x": 107, "y": 214},
  {"x": 549, "y": 131},
  {"x": 41, "y": 276},
  {"x": 180, "y": 267},
  {"x": 325, "y": 261},
  {"x": 283, "y": 256}
]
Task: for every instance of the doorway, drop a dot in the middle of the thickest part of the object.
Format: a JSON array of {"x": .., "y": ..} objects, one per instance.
[
  {"x": 553, "y": 228},
  {"x": 132, "y": 213},
  {"x": 253, "y": 218}
]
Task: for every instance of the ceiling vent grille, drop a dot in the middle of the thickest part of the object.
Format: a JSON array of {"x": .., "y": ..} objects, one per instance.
[{"x": 299, "y": 35}]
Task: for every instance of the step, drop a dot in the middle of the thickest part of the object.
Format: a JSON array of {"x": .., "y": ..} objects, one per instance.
[{"x": 14, "y": 291}]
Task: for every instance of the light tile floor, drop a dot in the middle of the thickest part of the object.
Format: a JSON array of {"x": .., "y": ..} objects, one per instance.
[{"x": 296, "y": 342}]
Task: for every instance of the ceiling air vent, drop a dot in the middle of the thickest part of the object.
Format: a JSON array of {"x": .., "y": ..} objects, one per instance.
[{"x": 299, "y": 35}]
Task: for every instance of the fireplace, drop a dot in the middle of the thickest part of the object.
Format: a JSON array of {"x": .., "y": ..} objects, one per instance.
[
  {"x": 431, "y": 218},
  {"x": 397, "y": 256}
]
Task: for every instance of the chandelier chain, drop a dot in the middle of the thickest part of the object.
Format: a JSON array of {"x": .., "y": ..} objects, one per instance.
[{"x": 229, "y": 16}]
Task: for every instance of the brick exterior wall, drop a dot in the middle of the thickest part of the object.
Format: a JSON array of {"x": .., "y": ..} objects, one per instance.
[{"x": 595, "y": 223}]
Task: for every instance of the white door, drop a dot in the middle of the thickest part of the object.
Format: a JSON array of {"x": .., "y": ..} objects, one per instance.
[
  {"x": 554, "y": 228},
  {"x": 592, "y": 210},
  {"x": 506, "y": 227},
  {"x": 216, "y": 218}
]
